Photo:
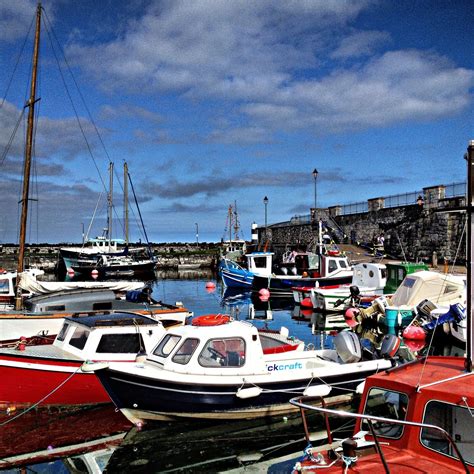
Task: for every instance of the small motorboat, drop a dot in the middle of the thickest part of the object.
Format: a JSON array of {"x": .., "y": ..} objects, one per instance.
[
  {"x": 51, "y": 374},
  {"x": 217, "y": 367}
]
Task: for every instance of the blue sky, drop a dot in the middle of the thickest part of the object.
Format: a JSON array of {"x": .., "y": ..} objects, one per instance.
[{"x": 213, "y": 102}]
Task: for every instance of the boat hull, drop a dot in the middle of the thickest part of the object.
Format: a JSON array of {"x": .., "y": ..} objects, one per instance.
[
  {"x": 236, "y": 280},
  {"x": 282, "y": 286},
  {"x": 142, "y": 398},
  {"x": 28, "y": 380}
]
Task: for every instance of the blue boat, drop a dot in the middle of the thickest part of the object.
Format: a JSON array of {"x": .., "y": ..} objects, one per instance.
[{"x": 235, "y": 275}]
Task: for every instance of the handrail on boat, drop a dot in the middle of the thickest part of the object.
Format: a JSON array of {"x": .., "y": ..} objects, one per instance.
[{"x": 300, "y": 403}]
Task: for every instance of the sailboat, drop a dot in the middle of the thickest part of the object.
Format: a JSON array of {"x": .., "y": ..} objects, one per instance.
[
  {"x": 45, "y": 317},
  {"x": 108, "y": 257},
  {"x": 414, "y": 418}
]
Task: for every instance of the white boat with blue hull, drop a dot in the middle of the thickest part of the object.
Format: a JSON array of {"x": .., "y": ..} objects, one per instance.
[
  {"x": 235, "y": 275},
  {"x": 229, "y": 369}
]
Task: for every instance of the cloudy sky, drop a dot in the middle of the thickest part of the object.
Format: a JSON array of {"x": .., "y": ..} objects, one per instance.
[{"x": 212, "y": 102}]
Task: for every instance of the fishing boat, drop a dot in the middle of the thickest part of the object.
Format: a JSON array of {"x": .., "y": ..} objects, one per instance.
[
  {"x": 315, "y": 270},
  {"x": 368, "y": 278},
  {"x": 102, "y": 257},
  {"x": 51, "y": 374},
  {"x": 221, "y": 368},
  {"x": 235, "y": 275},
  {"x": 415, "y": 418}
]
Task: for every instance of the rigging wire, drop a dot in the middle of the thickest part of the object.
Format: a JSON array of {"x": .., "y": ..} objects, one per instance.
[
  {"x": 52, "y": 34},
  {"x": 17, "y": 61}
]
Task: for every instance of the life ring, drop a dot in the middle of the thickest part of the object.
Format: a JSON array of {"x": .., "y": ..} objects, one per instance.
[{"x": 211, "y": 320}]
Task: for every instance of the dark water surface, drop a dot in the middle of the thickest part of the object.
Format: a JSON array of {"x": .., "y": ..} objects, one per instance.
[{"x": 99, "y": 439}]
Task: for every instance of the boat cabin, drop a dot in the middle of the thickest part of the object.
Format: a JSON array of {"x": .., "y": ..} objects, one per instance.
[
  {"x": 260, "y": 263},
  {"x": 227, "y": 344},
  {"x": 397, "y": 271},
  {"x": 8, "y": 282},
  {"x": 408, "y": 416},
  {"x": 115, "y": 336}
]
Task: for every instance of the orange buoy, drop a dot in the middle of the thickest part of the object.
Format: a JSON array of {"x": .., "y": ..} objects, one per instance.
[
  {"x": 210, "y": 284},
  {"x": 94, "y": 273},
  {"x": 211, "y": 320},
  {"x": 413, "y": 345}
]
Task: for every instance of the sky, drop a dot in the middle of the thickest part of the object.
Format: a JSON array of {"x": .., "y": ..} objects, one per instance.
[{"x": 214, "y": 103}]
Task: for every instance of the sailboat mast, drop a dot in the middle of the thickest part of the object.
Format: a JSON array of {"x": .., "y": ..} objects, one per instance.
[
  {"x": 470, "y": 252},
  {"x": 28, "y": 151},
  {"x": 231, "y": 223},
  {"x": 110, "y": 201},
  {"x": 125, "y": 200},
  {"x": 236, "y": 222}
]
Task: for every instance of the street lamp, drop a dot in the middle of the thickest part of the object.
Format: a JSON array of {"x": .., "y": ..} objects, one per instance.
[
  {"x": 315, "y": 175},
  {"x": 197, "y": 232},
  {"x": 265, "y": 202}
]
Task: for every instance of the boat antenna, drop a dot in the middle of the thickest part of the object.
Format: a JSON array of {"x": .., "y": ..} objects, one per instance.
[
  {"x": 27, "y": 165},
  {"x": 470, "y": 247}
]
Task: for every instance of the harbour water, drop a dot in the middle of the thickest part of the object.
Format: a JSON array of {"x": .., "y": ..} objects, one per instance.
[{"x": 100, "y": 439}]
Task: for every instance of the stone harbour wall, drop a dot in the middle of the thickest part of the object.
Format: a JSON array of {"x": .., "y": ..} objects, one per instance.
[{"x": 431, "y": 229}]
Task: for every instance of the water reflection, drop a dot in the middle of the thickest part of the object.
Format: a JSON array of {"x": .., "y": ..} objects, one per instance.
[{"x": 54, "y": 440}]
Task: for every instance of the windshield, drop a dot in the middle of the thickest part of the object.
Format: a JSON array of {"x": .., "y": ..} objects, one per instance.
[{"x": 386, "y": 404}]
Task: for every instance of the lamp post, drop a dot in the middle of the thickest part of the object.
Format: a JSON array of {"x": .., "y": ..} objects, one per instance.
[
  {"x": 315, "y": 175},
  {"x": 197, "y": 232},
  {"x": 265, "y": 202}
]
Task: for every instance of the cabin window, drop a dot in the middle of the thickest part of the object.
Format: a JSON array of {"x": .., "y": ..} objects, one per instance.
[
  {"x": 4, "y": 287},
  {"x": 457, "y": 421},
  {"x": 79, "y": 338},
  {"x": 342, "y": 263},
  {"x": 185, "y": 352},
  {"x": 120, "y": 344},
  {"x": 409, "y": 282},
  {"x": 166, "y": 346},
  {"x": 225, "y": 352},
  {"x": 332, "y": 266},
  {"x": 57, "y": 307},
  {"x": 313, "y": 261},
  {"x": 386, "y": 404},
  {"x": 102, "y": 306},
  {"x": 63, "y": 332},
  {"x": 260, "y": 262}
]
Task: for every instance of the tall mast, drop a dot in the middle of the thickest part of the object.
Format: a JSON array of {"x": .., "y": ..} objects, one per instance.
[
  {"x": 110, "y": 201},
  {"x": 470, "y": 252},
  {"x": 236, "y": 222},
  {"x": 28, "y": 150},
  {"x": 231, "y": 223},
  {"x": 125, "y": 200}
]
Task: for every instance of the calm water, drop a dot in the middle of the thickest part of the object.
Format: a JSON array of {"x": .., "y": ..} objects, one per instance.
[{"x": 101, "y": 439}]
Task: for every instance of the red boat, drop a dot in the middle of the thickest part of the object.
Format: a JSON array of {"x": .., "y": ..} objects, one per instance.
[
  {"x": 52, "y": 375},
  {"x": 413, "y": 418}
]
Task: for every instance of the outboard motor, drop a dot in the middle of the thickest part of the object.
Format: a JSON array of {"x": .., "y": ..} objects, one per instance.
[
  {"x": 425, "y": 307},
  {"x": 390, "y": 345},
  {"x": 348, "y": 347}
]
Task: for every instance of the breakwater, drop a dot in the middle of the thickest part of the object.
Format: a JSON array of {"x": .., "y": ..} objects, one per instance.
[
  {"x": 431, "y": 230},
  {"x": 168, "y": 256}
]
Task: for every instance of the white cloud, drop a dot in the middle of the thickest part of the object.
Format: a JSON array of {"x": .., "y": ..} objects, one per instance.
[
  {"x": 360, "y": 43},
  {"x": 264, "y": 57}
]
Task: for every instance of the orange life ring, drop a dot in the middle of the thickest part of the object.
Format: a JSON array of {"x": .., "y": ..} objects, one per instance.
[{"x": 211, "y": 320}]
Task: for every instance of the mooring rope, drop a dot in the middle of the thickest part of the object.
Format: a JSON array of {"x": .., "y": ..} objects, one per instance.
[{"x": 40, "y": 401}]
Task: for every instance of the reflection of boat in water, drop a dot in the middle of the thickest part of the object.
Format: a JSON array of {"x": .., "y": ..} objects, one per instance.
[
  {"x": 81, "y": 439},
  {"x": 215, "y": 446}
]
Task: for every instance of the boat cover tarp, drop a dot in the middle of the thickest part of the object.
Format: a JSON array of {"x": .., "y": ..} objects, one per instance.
[
  {"x": 29, "y": 283},
  {"x": 439, "y": 288}
]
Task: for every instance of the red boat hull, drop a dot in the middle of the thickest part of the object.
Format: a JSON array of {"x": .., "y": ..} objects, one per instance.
[{"x": 28, "y": 380}]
